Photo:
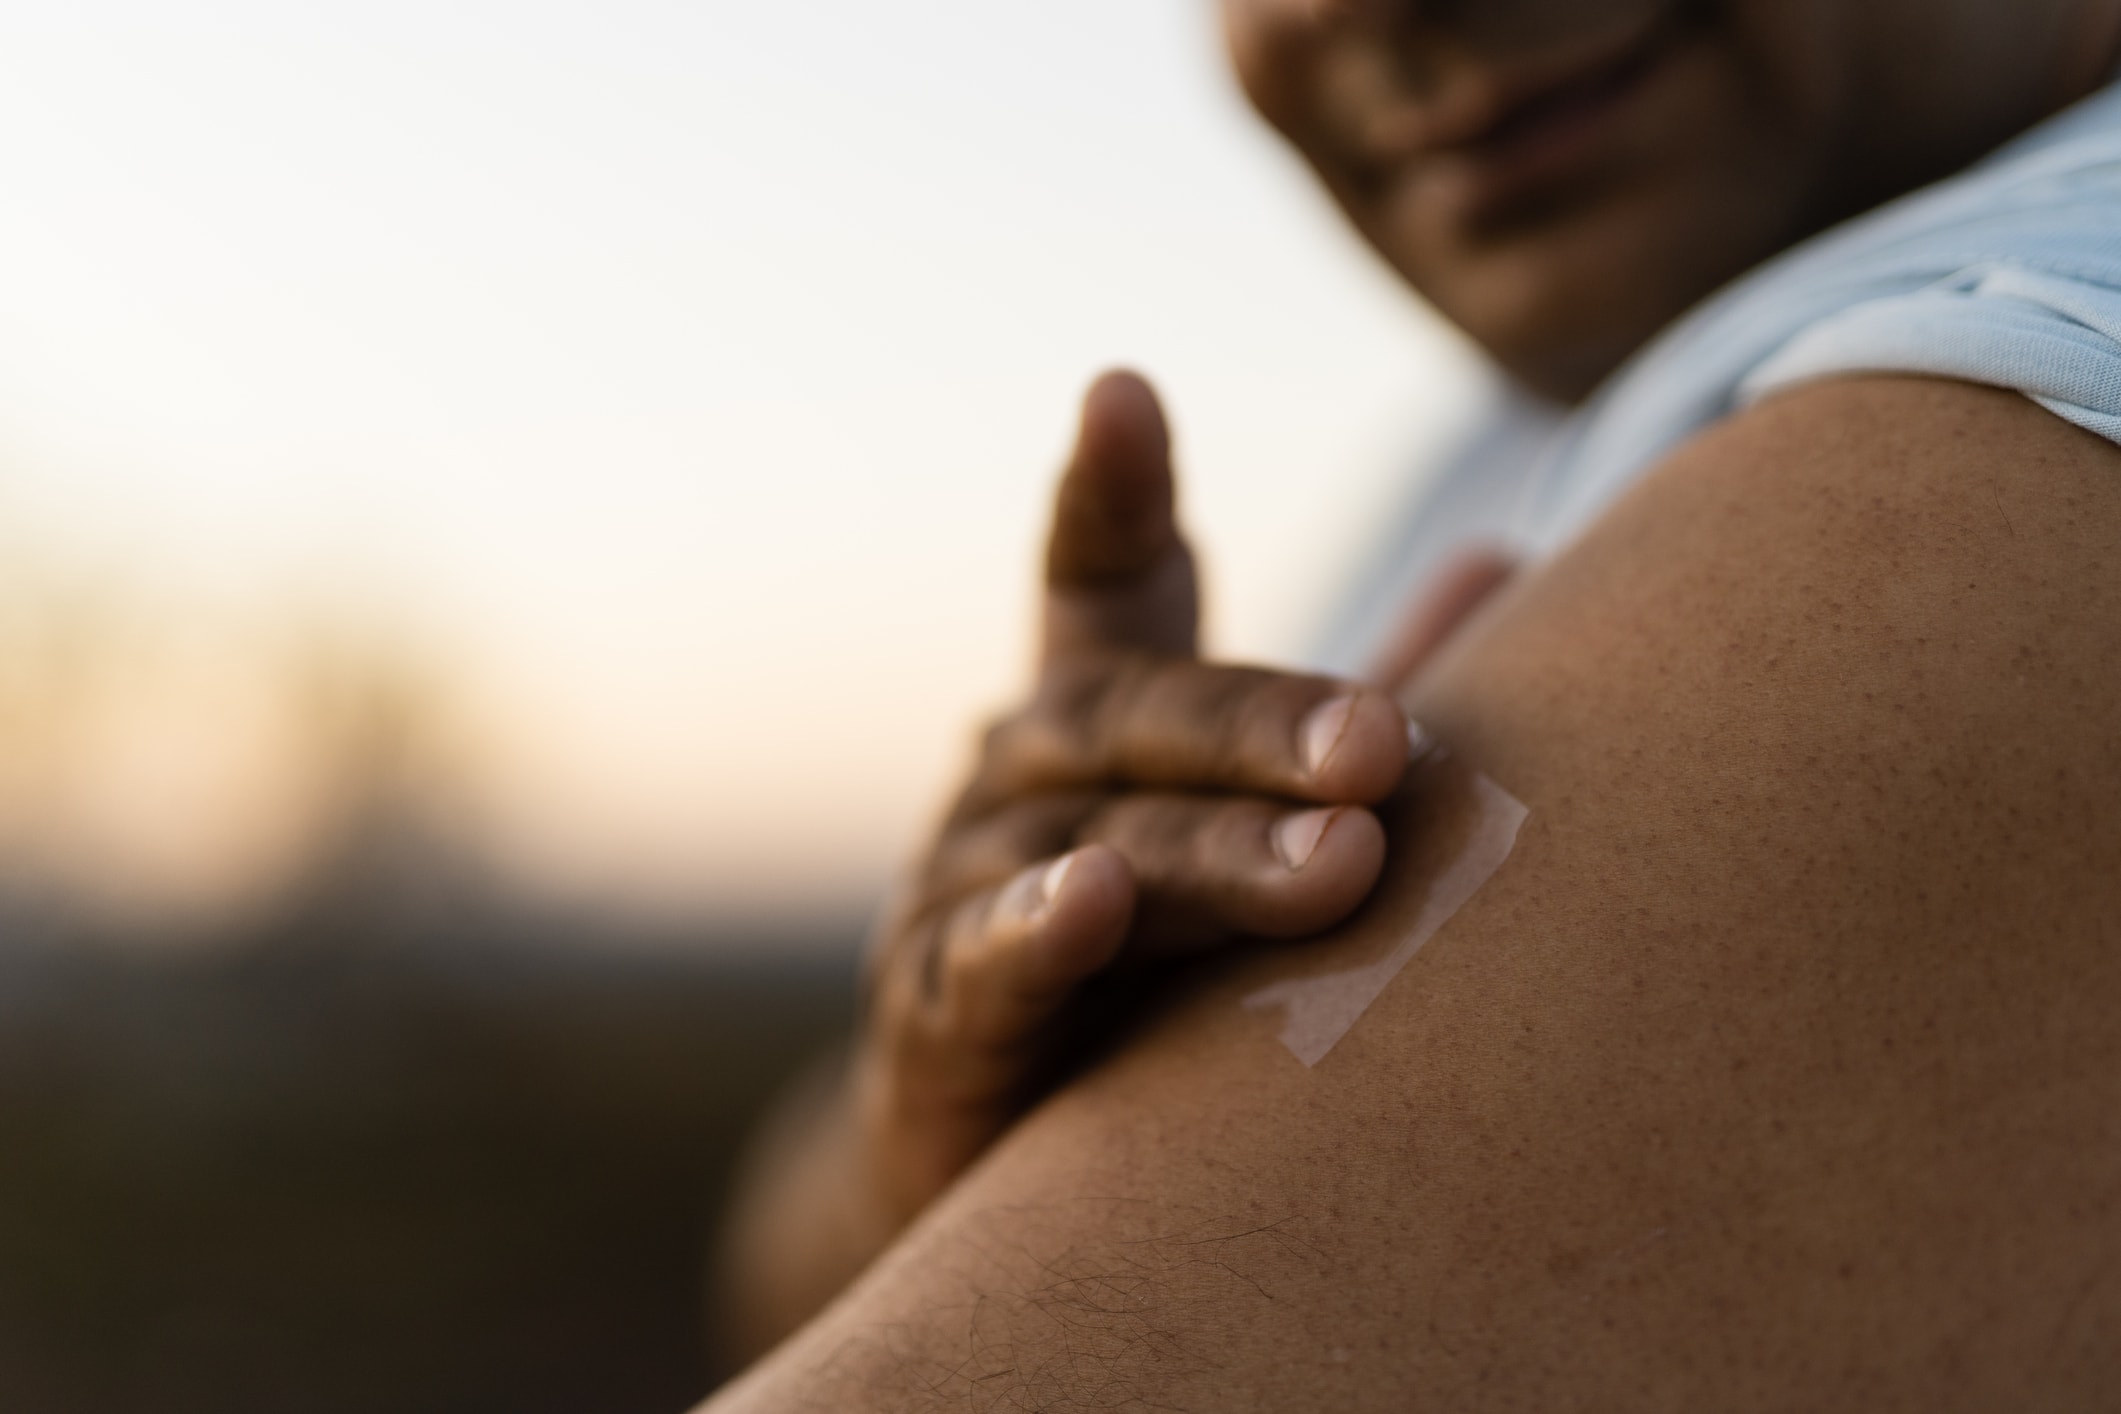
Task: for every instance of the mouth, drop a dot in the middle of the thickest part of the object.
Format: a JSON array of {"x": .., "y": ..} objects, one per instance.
[{"x": 1496, "y": 147}]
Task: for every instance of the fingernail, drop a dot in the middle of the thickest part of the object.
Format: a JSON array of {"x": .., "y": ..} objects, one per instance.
[
  {"x": 1029, "y": 896},
  {"x": 1419, "y": 742},
  {"x": 1322, "y": 729},
  {"x": 1049, "y": 883},
  {"x": 1296, "y": 836}
]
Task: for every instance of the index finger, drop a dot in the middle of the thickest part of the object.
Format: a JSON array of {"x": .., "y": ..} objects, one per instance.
[
  {"x": 1118, "y": 573},
  {"x": 1175, "y": 723}
]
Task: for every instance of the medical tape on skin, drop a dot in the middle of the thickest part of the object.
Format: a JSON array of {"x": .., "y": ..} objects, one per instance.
[{"x": 1318, "y": 1011}]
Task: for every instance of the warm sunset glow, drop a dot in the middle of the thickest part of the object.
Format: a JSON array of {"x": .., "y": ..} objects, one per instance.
[{"x": 651, "y": 405}]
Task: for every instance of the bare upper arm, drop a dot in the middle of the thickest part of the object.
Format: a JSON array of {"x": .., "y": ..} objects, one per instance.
[{"x": 1780, "y": 1067}]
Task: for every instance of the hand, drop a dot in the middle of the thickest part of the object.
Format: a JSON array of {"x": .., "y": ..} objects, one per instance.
[{"x": 1142, "y": 805}]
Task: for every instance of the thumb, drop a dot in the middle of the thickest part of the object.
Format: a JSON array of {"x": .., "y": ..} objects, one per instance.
[{"x": 1118, "y": 574}]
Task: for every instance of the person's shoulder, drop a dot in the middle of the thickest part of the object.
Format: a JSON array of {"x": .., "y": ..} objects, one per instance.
[
  {"x": 1802, "y": 956},
  {"x": 1881, "y": 569},
  {"x": 1819, "y": 480},
  {"x": 2006, "y": 274}
]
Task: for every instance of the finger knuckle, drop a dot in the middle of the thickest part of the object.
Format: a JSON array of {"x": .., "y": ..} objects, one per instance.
[
  {"x": 1149, "y": 831},
  {"x": 913, "y": 971},
  {"x": 1064, "y": 734},
  {"x": 960, "y": 963},
  {"x": 1131, "y": 722},
  {"x": 1238, "y": 711}
]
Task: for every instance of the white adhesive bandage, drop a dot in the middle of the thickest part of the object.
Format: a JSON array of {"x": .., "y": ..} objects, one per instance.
[{"x": 1319, "y": 1010}]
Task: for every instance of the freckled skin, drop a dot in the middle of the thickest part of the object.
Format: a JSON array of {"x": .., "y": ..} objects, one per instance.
[{"x": 1776, "y": 1070}]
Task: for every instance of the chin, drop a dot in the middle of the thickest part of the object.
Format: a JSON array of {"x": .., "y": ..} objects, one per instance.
[
  {"x": 1561, "y": 303},
  {"x": 1558, "y": 326}
]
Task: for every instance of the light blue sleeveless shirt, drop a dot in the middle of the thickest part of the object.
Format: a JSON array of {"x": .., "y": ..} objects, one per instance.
[{"x": 2007, "y": 274}]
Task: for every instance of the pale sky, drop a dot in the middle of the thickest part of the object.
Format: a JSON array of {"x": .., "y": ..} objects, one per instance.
[{"x": 683, "y": 383}]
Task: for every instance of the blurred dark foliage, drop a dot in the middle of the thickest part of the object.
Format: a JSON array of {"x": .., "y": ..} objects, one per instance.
[{"x": 401, "y": 1145}]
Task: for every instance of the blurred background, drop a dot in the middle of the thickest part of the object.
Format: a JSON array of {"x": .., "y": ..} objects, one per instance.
[{"x": 507, "y": 512}]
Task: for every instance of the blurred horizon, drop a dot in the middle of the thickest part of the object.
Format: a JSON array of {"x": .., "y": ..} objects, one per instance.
[
  {"x": 507, "y": 516},
  {"x": 606, "y": 447}
]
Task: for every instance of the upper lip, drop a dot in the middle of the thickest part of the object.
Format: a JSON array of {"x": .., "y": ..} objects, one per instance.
[{"x": 1476, "y": 104}]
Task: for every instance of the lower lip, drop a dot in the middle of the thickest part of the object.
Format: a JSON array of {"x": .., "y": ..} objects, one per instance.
[{"x": 1486, "y": 181}]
